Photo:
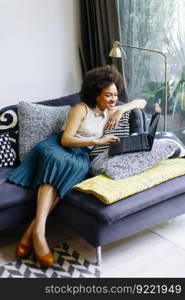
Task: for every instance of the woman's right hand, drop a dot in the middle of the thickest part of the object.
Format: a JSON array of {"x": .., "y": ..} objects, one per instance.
[{"x": 107, "y": 139}]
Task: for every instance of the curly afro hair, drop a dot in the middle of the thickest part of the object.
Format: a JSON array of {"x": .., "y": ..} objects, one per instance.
[{"x": 96, "y": 80}]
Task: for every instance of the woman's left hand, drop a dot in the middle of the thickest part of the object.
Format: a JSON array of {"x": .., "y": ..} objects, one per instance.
[{"x": 114, "y": 120}]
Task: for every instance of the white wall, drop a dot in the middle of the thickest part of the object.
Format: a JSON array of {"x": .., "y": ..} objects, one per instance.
[{"x": 38, "y": 49}]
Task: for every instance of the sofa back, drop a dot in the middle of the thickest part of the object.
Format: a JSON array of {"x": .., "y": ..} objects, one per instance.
[{"x": 9, "y": 118}]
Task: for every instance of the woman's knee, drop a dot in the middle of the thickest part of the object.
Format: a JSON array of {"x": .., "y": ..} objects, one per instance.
[{"x": 47, "y": 187}]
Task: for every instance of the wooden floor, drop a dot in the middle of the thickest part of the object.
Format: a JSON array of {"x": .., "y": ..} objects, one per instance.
[{"x": 158, "y": 252}]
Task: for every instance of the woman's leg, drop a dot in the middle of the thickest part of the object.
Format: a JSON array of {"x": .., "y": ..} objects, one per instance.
[
  {"x": 46, "y": 201},
  {"x": 27, "y": 236}
]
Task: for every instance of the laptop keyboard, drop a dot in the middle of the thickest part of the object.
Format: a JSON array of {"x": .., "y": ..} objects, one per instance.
[{"x": 135, "y": 142}]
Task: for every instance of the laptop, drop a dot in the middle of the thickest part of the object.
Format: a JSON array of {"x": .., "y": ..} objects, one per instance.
[{"x": 134, "y": 143}]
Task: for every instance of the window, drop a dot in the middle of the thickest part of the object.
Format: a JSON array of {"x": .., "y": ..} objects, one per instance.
[{"x": 158, "y": 25}]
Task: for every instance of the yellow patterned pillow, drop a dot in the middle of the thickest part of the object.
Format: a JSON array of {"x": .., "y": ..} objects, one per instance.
[{"x": 109, "y": 191}]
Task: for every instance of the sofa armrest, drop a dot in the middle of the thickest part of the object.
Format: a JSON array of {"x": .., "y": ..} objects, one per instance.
[{"x": 137, "y": 121}]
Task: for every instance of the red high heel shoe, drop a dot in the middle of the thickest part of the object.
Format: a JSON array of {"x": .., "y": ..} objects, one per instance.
[
  {"x": 23, "y": 251},
  {"x": 46, "y": 260}
]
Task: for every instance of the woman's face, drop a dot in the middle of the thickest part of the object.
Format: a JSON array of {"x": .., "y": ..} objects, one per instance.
[{"x": 108, "y": 97}]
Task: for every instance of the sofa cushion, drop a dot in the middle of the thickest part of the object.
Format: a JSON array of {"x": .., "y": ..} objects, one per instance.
[
  {"x": 109, "y": 191},
  {"x": 167, "y": 136},
  {"x": 112, "y": 213},
  {"x": 129, "y": 164},
  {"x": 12, "y": 194},
  {"x": 137, "y": 121},
  {"x": 9, "y": 124},
  {"x": 122, "y": 129},
  {"x": 37, "y": 122},
  {"x": 7, "y": 157}
]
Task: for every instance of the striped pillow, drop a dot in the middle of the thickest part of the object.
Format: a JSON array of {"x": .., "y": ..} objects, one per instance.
[{"x": 122, "y": 129}]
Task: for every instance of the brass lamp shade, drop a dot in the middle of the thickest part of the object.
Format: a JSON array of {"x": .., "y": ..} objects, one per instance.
[{"x": 115, "y": 51}]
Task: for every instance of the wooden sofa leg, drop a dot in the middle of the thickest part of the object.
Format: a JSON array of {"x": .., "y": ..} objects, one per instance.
[{"x": 98, "y": 256}]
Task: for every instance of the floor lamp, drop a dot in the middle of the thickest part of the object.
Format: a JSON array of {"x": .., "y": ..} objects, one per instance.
[{"x": 117, "y": 51}]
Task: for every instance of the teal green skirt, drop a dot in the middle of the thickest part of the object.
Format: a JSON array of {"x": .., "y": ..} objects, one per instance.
[{"x": 49, "y": 162}]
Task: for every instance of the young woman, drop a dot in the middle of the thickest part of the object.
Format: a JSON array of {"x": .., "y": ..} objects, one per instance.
[{"x": 59, "y": 162}]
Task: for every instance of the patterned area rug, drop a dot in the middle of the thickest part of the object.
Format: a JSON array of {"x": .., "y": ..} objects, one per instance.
[{"x": 69, "y": 263}]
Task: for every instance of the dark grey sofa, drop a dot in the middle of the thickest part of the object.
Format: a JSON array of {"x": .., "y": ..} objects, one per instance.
[{"x": 97, "y": 223}]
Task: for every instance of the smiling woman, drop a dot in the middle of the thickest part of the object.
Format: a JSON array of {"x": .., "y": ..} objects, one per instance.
[
  {"x": 108, "y": 97},
  {"x": 101, "y": 87},
  {"x": 98, "y": 79},
  {"x": 60, "y": 161}
]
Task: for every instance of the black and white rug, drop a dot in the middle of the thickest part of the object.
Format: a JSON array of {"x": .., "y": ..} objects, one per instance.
[{"x": 69, "y": 263}]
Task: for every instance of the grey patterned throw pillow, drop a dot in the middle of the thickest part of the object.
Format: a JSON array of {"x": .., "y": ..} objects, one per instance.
[
  {"x": 166, "y": 137},
  {"x": 37, "y": 122},
  {"x": 129, "y": 164}
]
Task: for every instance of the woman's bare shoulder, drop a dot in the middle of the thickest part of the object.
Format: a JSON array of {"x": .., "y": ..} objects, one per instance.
[{"x": 80, "y": 109}]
